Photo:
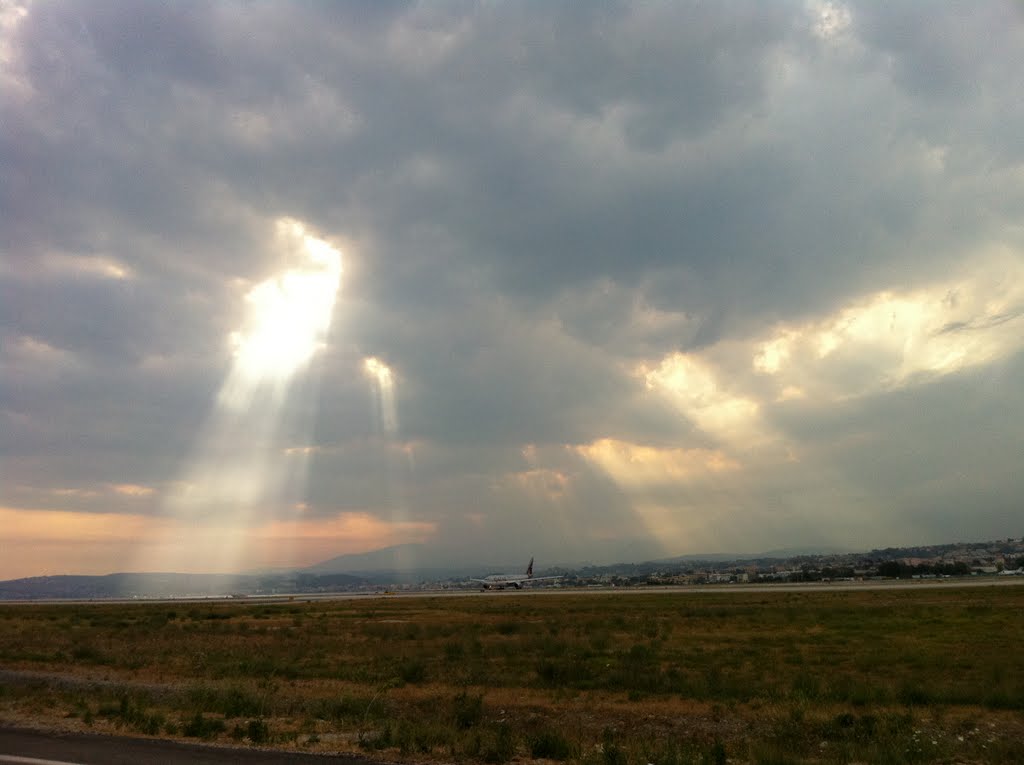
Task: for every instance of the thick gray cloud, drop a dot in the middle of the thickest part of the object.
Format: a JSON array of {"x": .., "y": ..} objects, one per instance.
[{"x": 629, "y": 266}]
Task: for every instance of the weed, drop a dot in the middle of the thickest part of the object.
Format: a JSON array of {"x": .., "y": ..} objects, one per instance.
[
  {"x": 89, "y": 654},
  {"x": 502, "y": 747},
  {"x": 345, "y": 708},
  {"x": 913, "y": 695},
  {"x": 376, "y": 740},
  {"x": 412, "y": 670},
  {"x": 454, "y": 650},
  {"x": 203, "y": 727},
  {"x": 611, "y": 752},
  {"x": 570, "y": 672},
  {"x": 257, "y": 731},
  {"x": 551, "y": 745},
  {"x": 467, "y": 710}
]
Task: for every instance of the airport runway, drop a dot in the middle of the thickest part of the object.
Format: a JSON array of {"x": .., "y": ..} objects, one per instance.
[
  {"x": 28, "y": 747},
  {"x": 927, "y": 584},
  {"x": 858, "y": 586},
  {"x": 309, "y": 597}
]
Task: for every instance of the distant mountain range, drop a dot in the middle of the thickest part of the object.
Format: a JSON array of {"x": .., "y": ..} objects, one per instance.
[
  {"x": 408, "y": 557},
  {"x": 409, "y": 564},
  {"x": 414, "y": 564},
  {"x": 431, "y": 562}
]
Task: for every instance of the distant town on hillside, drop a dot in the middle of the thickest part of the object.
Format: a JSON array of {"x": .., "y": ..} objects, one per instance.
[{"x": 961, "y": 559}]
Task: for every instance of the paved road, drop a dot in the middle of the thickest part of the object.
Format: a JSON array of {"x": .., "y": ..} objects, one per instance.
[{"x": 27, "y": 747}]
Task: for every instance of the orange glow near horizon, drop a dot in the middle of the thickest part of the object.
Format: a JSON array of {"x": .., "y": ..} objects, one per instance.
[{"x": 49, "y": 542}]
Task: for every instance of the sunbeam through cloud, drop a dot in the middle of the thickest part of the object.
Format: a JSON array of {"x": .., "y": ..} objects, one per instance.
[
  {"x": 242, "y": 471},
  {"x": 384, "y": 394}
]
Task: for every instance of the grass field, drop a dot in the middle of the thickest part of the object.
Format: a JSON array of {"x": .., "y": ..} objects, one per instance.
[{"x": 890, "y": 676}]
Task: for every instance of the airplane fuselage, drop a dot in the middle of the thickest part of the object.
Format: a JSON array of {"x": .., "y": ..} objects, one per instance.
[
  {"x": 501, "y": 584},
  {"x": 501, "y": 581}
]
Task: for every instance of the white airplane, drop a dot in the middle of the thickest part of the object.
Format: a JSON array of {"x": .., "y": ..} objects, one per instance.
[{"x": 501, "y": 581}]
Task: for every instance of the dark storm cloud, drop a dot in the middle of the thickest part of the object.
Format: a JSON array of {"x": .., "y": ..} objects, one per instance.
[{"x": 537, "y": 204}]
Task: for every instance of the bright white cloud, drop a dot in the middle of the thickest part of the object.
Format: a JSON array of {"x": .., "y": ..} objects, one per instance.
[
  {"x": 829, "y": 20},
  {"x": 639, "y": 467},
  {"x": 694, "y": 387},
  {"x": 12, "y": 14},
  {"x": 892, "y": 340},
  {"x": 288, "y": 315}
]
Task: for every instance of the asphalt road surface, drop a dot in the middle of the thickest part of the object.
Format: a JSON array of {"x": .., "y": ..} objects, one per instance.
[{"x": 28, "y": 747}]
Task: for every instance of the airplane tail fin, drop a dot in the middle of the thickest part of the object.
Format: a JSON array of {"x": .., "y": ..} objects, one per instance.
[{"x": 529, "y": 569}]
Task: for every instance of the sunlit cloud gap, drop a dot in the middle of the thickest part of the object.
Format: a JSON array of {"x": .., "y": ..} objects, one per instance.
[
  {"x": 876, "y": 344},
  {"x": 382, "y": 382},
  {"x": 287, "y": 318},
  {"x": 384, "y": 394},
  {"x": 242, "y": 470},
  {"x": 879, "y": 343}
]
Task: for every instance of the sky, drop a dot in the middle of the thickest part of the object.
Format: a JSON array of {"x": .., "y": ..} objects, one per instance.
[{"x": 584, "y": 281}]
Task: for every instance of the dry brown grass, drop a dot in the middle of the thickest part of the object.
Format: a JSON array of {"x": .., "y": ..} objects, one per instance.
[{"x": 603, "y": 680}]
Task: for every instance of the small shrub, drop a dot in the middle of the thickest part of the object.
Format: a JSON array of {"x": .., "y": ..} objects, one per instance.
[
  {"x": 454, "y": 650},
  {"x": 238, "y": 703},
  {"x": 600, "y": 640},
  {"x": 507, "y": 628},
  {"x": 845, "y": 720},
  {"x": 611, "y": 752},
  {"x": 203, "y": 727},
  {"x": 419, "y": 737},
  {"x": 1002, "y": 699},
  {"x": 551, "y": 745},
  {"x": 412, "y": 671},
  {"x": 376, "y": 740},
  {"x": 472, "y": 746},
  {"x": 468, "y": 710},
  {"x": 345, "y": 707},
  {"x": 717, "y": 753},
  {"x": 913, "y": 695},
  {"x": 257, "y": 731},
  {"x": 88, "y": 654},
  {"x": 503, "y": 747},
  {"x": 806, "y": 686}
]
